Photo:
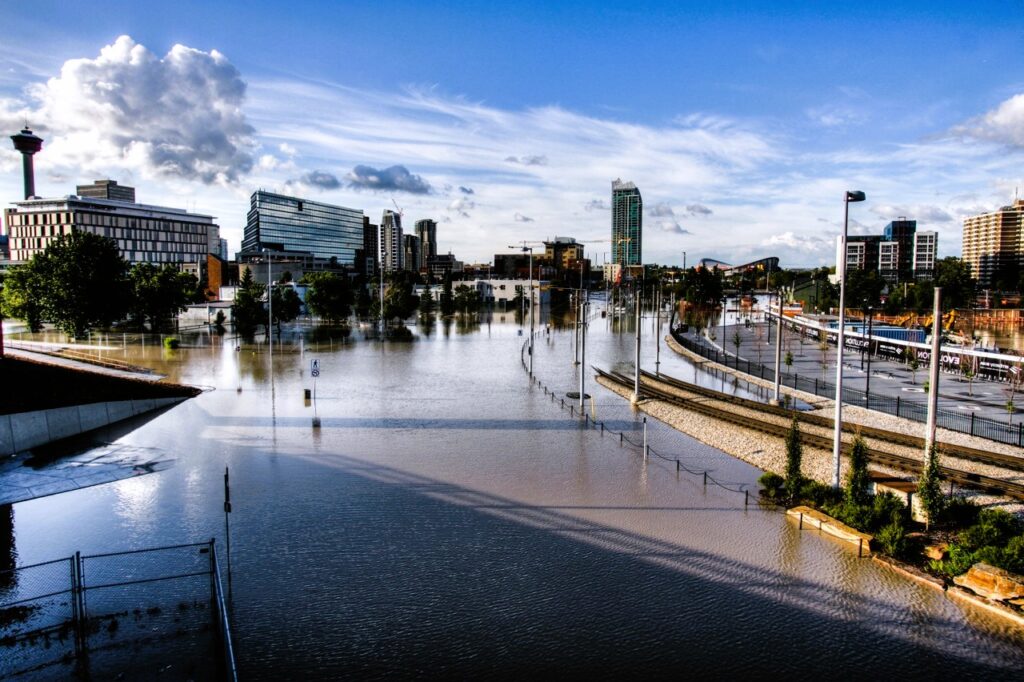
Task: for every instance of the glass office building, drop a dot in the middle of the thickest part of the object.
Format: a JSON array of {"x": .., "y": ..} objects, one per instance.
[
  {"x": 627, "y": 224},
  {"x": 286, "y": 224}
]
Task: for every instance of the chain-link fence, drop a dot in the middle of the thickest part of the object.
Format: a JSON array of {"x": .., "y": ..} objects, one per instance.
[
  {"x": 1012, "y": 434},
  {"x": 141, "y": 613}
]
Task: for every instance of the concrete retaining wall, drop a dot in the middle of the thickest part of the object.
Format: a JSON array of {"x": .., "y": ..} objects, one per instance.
[{"x": 26, "y": 430}]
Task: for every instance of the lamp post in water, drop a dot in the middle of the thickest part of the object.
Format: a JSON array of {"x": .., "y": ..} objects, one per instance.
[
  {"x": 837, "y": 434},
  {"x": 529, "y": 249}
]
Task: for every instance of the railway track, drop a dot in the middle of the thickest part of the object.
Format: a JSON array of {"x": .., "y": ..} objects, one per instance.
[
  {"x": 962, "y": 452},
  {"x": 875, "y": 454}
]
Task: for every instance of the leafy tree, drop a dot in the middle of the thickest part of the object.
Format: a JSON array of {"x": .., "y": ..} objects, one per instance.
[
  {"x": 863, "y": 287},
  {"x": 736, "y": 341},
  {"x": 794, "y": 454},
  {"x": 398, "y": 299},
  {"x": 788, "y": 360},
  {"x": 286, "y": 305},
  {"x": 247, "y": 310},
  {"x": 958, "y": 285},
  {"x": 467, "y": 299},
  {"x": 364, "y": 300},
  {"x": 159, "y": 292},
  {"x": 21, "y": 297},
  {"x": 447, "y": 299},
  {"x": 329, "y": 296},
  {"x": 702, "y": 286},
  {"x": 82, "y": 282},
  {"x": 857, "y": 480},
  {"x": 929, "y": 489},
  {"x": 914, "y": 364}
]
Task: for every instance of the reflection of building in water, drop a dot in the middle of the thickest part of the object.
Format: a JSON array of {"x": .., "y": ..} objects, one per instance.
[{"x": 7, "y": 552}]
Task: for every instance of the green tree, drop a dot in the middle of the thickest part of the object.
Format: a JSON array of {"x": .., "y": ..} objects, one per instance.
[
  {"x": 447, "y": 299},
  {"x": 21, "y": 297},
  {"x": 427, "y": 302},
  {"x": 929, "y": 488},
  {"x": 286, "y": 305},
  {"x": 329, "y": 296},
  {"x": 398, "y": 299},
  {"x": 736, "y": 341},
  {"x": 247, "y": 311},
  {"x": 82, "y": 282},
  {"x": 159, "y": 293},
  {"x": 467, "y": 299},
  {"x": 794, "y": 455},
  {"x": 788, "y": 360},
  {"x": 857, "y": 480},
  {"x": 863, "y": 287}
]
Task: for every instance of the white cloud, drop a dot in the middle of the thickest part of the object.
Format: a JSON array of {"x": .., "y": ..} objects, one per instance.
[
  {"x": 461, "y": 206},
  {"x": 520, "y": 218},
  {"x": 1003, "y": 125},
  {"x": 179, "y": 115}
]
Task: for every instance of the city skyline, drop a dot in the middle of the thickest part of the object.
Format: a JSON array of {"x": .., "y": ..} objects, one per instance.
[{"x": 742, "y": 152}]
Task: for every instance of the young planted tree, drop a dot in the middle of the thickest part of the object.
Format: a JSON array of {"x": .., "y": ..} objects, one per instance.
[
  {"x": 857, "y": 481},
  {"x": 929, "y": 488},
  {"x": 788, "y": 360},
  {"x": 736, "y": 340},
  {"x": 824, "y": 348},
  {"x": 794, "y": 454},
  {"x": 914, "y": 365}
]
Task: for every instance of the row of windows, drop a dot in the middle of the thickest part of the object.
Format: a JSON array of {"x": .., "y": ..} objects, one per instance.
[{"x": 104, "y": 220}]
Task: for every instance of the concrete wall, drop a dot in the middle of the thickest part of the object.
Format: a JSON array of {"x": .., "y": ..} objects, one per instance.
[{"x": 26, "y": 430}]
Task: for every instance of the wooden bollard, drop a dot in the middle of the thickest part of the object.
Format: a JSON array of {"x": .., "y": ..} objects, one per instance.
[{"x": 705, "y": 478}]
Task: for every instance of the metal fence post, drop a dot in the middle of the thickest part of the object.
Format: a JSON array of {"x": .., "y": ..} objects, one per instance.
[{"x": 897, "y": 406}]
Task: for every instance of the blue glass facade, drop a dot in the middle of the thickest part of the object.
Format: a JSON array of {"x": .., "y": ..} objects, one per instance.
[{"x": 283, "y": 223}]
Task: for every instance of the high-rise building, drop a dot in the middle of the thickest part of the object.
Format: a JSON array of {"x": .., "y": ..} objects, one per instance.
[
  {"x": 392, "y": 249},
  {"x": 627, "y": 224},
  {"x": 426, "y": 230},
  {"x": 106, "y": 189},
  {"x": 926, "y": 246},
  {"x": 285, "y": 224},
  {"x": 902, "y": 232},
  {"x": 411, "y": 252},
  {"x": 993, "y": 243},
  {"x": 861, "y": 252},
  {"x": 368, "y": 256},
  {"x": 143, "y": 233},
  {"x": 889, "y": 253}
]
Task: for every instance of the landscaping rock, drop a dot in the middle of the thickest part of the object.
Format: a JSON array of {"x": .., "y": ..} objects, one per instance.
[{"x": 991, "y": 582}]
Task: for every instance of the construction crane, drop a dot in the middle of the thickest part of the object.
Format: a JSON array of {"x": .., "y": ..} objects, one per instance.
[{"x": 401, "y": 213}]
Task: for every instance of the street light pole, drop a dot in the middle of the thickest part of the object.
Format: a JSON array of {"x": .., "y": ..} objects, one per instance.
[
  {"x": 583, "y": 355},
  {"x": 636, "y": 361},
  {"x": 778, "y": 348},
  {"x": 867, "y": 381},
  {"x": 270, "y": 306},
  {"x": 837, "y": 433}
]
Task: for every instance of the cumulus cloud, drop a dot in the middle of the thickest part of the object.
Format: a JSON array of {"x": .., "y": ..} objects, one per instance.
[
  {"x": 1003, "y": 125},
  {"x": 698, "y": 210},
  {"x": 394, "y": 179},
  {"x": 801, "y": 242},
  {"x": 520, "y": 218},
  {"x": 320, "y": 180},
  {"x": 466, "y": 190},
  {"x": 461, "y": 206},
  {"x": 528, "y": 160},
  {"x": 660, "y": 210},
  {"x": 596, "y": 205},
  {"x": 177, "y": 115},
  {"x": 672, "y": 226},
  {"x": 287, "y": 149}
]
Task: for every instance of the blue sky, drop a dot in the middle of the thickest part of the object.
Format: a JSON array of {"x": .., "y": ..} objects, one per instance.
[{"x": 742, "y": 123}]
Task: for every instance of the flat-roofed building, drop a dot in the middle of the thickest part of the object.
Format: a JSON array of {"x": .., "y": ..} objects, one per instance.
[
  {"x": 926, "y": 246},
  {"x": 106, "y": 189},
  {"x": 993, "y": 242},
  {"x": 143, "y": 233},
  {"x": 285, "y": 224}
]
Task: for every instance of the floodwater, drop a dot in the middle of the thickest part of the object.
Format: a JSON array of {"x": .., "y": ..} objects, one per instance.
[{"x": 449, "y": 518}]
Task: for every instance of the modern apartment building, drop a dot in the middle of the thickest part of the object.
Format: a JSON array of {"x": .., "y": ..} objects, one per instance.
[
  {"x": 392, "y": 248},
  {"x": 563, "y": 252},
  {"x": 627, "y": 224},
  {"x": 994, "y": 242},
  {"x": 902, "y": 232},
  {"x": 106, "y": 189},
  {"x": 926, "y": 247},
  {"x": 285, "y": 224},
  {"x": 426, "y": 230},
  {"x": 367, "y": 262},
  {"x": 143, "y": 233}
]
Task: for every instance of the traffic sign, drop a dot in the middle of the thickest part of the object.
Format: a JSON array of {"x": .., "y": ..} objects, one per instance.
[{"x": 315, "y": 373}]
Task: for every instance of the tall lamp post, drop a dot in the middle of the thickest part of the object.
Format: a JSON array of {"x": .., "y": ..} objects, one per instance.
[
  {"x": 270, "y": 305},
  {"x": 524, "y": 248},
  {"x": 867, "y": 380},
  {"x": 837, "y": 434}
]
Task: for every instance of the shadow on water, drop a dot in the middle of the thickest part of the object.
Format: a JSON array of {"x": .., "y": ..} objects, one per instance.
[{"x": 416, "y": 577}]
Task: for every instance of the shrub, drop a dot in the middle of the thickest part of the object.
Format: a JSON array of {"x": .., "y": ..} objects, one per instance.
[
  {"x": 817, "y": 494},
  {"x": 171, "y": 343},
  {"x": 893, "y": 540},
  {"x": 858, "y": 516},
  {"x": 771, "y": 485},
  {"x": 994, "y": 527},
  {"x": 957, "y": 561},
  {"x": 886, "y": 509},
  {"x": 960, "y": 512}
]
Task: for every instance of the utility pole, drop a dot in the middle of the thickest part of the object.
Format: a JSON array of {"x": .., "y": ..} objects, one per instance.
[
  {"x": 933, "y": 374},
  {"x": 583, "y": 356},
  {"x": 636, "y": 376},
  {"x": 778, "y": 349}
]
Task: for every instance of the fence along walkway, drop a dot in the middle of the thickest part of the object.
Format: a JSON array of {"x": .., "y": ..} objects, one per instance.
[
  {"x": 142, "y": 613},
  {"x": 1012, "y": 434}
]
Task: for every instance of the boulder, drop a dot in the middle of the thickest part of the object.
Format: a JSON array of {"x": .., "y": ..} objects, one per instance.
[{"x": 991, "y": 582}]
